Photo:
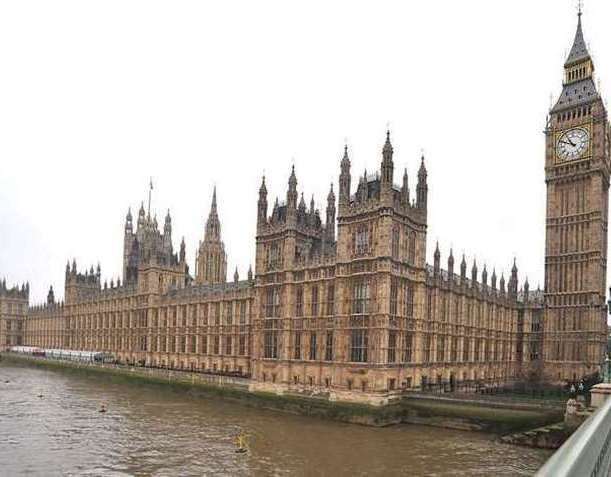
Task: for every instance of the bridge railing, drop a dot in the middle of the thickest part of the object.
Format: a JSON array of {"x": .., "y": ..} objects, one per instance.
[{"x": 587, "y": 452}]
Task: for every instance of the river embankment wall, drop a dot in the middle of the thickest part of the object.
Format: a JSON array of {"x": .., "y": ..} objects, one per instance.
[{"x": 473, "y": 414}]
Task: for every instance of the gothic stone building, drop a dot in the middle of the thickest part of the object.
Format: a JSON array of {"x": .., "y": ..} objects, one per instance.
[
  {"x": 13, "y": 311},
  {"x": 348, "y": 307}
]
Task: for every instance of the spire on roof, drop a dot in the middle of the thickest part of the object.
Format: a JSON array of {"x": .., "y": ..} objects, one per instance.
[
  {"x": 214, "y": 200},
  {"x": 213, "y": 224},
  {"x": 387, "y": 150},
  {"x": 345, "y": 158},
  {"x": 579, "y": 50}
]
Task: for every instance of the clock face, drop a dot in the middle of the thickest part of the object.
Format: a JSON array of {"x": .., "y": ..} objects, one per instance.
[{"x": 573, "y": 144}]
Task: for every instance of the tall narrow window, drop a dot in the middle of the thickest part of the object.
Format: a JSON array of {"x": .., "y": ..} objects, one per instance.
[
  {"x": 411, "y": 250},
  {"x": 407, "y": 347},
  {"x": 441, "y": 345},
  {"x": 313, "y": 346},
  {"x": 329, "y": 346},
  {"x": 358, "y": 345},
  {"x": 314, "y": 301},
  {"x": 242, "y": 312},
  {"x": 330, "y": 299},
  {"x": 271, "y": 344},
  {"x": 362, "y": 240},
  {"x": 393, "y": 296},
  {"x": 272, "y": 303},
  {"x": 360, "y": 303},
  {"x": 297, "y": 349},
  {"x": 392, "y": 346},
  {"x": 409, "y": 300},
  {"x": 395, "y": 242},
  {"x": 299, "y": 301}
]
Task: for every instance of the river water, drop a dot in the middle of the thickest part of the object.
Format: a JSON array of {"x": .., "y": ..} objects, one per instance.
[{"x": 157, "y": 432}]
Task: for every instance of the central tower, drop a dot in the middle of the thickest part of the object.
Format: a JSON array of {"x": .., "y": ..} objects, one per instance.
[{"x": 577, "y": 178}]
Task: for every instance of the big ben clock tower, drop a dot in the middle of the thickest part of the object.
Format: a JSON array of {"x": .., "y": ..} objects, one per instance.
[{"x": 577, "y": 177}]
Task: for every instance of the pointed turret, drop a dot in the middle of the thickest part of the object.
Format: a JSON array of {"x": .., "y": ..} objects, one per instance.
[
  {"x": 579, "y": 50},
  {"x": 502, "y": 283},
  {"x": 250, "y": 273},
  {"x": 579, "y": 87},
  {"x": 513, "y": 280},
  {"x": 387, "y": 163},
  {"x": 128, "y": 222},
  {"x": 405, "y": 189},
  {"x": 51, "y": 296},
  {"x": 437, "y": 260},
  {"x": 141, "y": 216},
  {"x": 211, "y": 263},
  {"x": 291, "y": 195},
  {"x": 463, "y": 269},
  {"x": 526, "y": 289},
  {"x": 493, "y": 279},
  {"x": 485, "y": 276},
  {"x": 302, "y": 204},
  {"x": 422, "y": 188},
  {"x": 213, "y": 225},
  {"x": 262, "y": 204},
  {"x": 364, "y": 188},
  {"x": 474, "y": 273},
  {"x": 183, "y": 251},
  {"x": 330, "y": 223},
  {"x": 451, "y": 265},
  {"x": 167, "y": 226},
  {"x": 236, "y": 276},
  {"x": 344, "y": 179}
]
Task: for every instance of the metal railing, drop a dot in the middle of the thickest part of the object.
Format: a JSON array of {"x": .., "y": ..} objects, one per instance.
[{"x": 587, "y": 452}]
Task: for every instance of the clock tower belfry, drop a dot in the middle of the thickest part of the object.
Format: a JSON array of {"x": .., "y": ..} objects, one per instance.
[{"x": 577, "y": 177}]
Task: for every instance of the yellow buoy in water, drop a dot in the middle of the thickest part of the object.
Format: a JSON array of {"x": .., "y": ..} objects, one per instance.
[{"x": 241, "y": 443}]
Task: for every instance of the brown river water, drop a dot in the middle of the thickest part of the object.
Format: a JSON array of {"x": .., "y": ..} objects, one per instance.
[{"x": 149, "y": 431}]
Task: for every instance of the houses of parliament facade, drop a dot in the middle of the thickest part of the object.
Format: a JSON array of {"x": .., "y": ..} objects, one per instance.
[{"x": 341, "y": 302}]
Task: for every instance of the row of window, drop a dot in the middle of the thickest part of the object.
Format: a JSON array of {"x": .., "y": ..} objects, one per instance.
[
  {"x": 214, "y": 345},
  {"x": 575, "y": 114}
]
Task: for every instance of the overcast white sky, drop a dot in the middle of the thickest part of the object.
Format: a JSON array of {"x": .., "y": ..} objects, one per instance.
[{"x": 96, "y": 97}]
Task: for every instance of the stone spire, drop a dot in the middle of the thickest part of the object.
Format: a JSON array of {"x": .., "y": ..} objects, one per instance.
[
  {"x": 211, "y": 257},
  {"x": 330, "y": 223},
  {"x": 436, "y": 260},
  {"x": 463, "y": 269},
  {"x": 213, "y": 225},
  {"x": 291, "y": 195},
  {"x": 262, "y": 204},
  {"x": 128, "y": 221},
  {"x": 579, "y": 50},
  {"x": 405, "y": 189},
  {"x": 344, "y": 179},
  {"x": 387, "y": 163},
  {"x": 422, "y": 187}
]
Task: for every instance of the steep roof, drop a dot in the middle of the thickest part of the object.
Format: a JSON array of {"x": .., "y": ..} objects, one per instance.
[{"x": 579, "y": 51}]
